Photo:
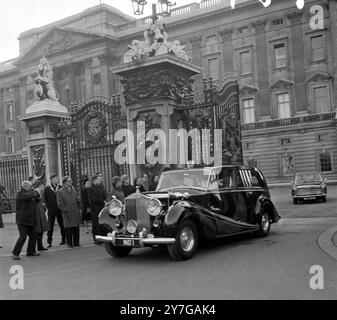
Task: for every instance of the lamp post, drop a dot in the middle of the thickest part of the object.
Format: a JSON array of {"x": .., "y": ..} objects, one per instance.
[{"x": 163, "y": 6}]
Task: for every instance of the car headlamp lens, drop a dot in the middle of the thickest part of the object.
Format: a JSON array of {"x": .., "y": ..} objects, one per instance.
[
  {"x": 115, "y": 208},
  {"x": 154, "y": 207},
  {"x": 131, "y": 226}
]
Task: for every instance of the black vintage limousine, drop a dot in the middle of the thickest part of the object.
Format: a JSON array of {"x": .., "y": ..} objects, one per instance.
[{"x": 188, "y": 206}]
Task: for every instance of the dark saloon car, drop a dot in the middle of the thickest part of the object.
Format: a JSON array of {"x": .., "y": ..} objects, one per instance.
[
  {"x": 189, "y": 206},
  {"x": 310, "y": 186}
]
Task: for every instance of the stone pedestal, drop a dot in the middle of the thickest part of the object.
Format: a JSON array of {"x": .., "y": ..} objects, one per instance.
[
  {"x": 155, "y": 90},
  {"x": 41, "y": 133}
]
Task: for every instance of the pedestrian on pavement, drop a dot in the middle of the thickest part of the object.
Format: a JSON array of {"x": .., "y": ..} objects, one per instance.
[
  {"x": 127, "y": 188},
  {"x": 42, "y": 224},
  {"x": 100, "y": 176},
  {"x": 146, "y": 182},
  {"x": 154, "y": 182},
  {"x": 86, "y": 211},
  {"x": 117, "y": 189},
  {"x": 97, "y": 199},
  {"x": 138, "y": 185},
  {"x": 69, "y": 203},
  {"x": 54, "y": 213},
  {"x": 26, "y": 202}
]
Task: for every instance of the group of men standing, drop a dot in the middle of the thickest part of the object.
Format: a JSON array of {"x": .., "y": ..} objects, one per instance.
[{"x": 63, "y": 205}]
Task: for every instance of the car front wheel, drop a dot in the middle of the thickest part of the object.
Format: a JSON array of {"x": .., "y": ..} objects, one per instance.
[
  {"x": 186, "y": 242},
  {"x": 295, "y": 201},
  {"x": 264, "y": 225},
  {"x": 117, "y": 252}
]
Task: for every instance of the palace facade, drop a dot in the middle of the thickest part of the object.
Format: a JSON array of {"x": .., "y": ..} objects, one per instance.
[{"x": 287, "y": 73}]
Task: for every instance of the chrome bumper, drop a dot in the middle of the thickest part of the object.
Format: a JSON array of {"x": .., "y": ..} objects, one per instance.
[
  {"x": 111, "y": 238},
  {"x": 310, "y": 196}
]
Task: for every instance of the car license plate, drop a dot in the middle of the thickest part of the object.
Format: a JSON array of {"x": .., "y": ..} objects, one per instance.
[
  {"x": 309, "y": 198},
  {"x": 128, "y": 242}
]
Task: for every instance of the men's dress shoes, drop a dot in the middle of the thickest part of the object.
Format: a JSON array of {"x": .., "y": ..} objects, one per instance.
[
  {"x": 35, "y": 254},
  {"x": 14, "y": 257},
  {"x": 43, "y": 249},
  {"x": 49, "y": 245},
  {"x": 77, "y": 245},
  {"x": 62, "y": 243}
]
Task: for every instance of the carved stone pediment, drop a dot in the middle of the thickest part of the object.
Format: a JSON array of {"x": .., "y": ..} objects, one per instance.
[
  {"x": 57, "y": 39},
  {"x": 246, "y": 89},
  {"x": 319, "y": 76},
  {"x": 282, "y": 83}
]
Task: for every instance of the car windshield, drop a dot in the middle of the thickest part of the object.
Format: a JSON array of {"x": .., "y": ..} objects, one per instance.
[
  {"x": 314, "y": 177},
  {"x": 190, "y": 178}
]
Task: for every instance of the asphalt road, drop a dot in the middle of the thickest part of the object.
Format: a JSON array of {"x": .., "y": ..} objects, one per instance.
[{"x": 276, "y": 267}]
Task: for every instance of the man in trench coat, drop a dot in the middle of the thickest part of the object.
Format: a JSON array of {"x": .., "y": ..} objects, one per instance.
[{"x": 69, "y": 203}]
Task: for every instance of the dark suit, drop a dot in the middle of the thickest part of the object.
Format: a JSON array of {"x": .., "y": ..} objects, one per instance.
[
  {"x": 53, "y": 212},
  {"x": 97, "y": 196},
  {"x": 26, "y": 211}
]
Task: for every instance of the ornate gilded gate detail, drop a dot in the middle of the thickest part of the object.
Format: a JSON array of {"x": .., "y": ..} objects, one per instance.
[{"x": 87, "y": 140}]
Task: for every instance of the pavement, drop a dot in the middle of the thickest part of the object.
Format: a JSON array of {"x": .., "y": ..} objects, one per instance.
[{"x": 245, "y": 267}]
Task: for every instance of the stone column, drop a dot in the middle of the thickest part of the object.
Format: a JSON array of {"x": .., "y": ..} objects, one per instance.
[
  {"x": 263, "y": 99},
  {"x": 43, "y": 152},
  {"x": 88, "y": 76},
  {"x": 298, "y": 60},
  {"x": 227, "y": 50}
]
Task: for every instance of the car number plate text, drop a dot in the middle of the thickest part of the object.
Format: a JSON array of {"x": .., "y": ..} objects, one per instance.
[
  {"x": 128, "y": 242},
  {"x": 309, "y": 198}
]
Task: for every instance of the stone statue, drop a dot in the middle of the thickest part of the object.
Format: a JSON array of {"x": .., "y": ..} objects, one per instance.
[
  {"x": 44, "y": 82},
  {"x": 155, "y": 43}
]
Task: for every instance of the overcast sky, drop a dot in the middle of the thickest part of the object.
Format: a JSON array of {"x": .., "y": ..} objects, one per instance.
[{"x": 17, "y": 16}]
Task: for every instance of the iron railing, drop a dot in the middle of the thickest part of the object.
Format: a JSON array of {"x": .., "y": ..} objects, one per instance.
[{"x": 13, "y": 170}]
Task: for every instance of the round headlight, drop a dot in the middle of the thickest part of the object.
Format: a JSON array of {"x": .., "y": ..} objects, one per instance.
[
  {"x": 154, "y": 207},
  {"x": 131, "y": 226},
  {"x": 115, "y": 208}
]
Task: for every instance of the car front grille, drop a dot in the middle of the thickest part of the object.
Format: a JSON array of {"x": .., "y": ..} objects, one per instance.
[
  {"x": 309, "y": 191},
  {"x": 135, "y": 209}
]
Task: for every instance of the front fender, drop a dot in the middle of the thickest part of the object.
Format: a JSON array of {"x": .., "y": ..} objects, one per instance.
[
  {"x": 268, "y": 206},
  {"x": 104, "y": 219}
]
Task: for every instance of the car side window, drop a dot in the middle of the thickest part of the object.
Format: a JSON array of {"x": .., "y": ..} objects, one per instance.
[
  {"x": 226, "y": 179},
  {"x": 257, "y": 181},
  {"x": 213, "y": 183},
  {"x": 238, "y": 179}
]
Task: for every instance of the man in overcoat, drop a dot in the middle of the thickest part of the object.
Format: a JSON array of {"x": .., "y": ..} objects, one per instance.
[
  {"x": 97, "y": 200},
  {"x": 69, "y": 203},
  {"x": 26, "y": 206}
]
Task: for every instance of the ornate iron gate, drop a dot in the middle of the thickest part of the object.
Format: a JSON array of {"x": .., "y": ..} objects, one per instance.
[
  {"x": 221, "y": 110},
  {"x": 87, "y": 140}
]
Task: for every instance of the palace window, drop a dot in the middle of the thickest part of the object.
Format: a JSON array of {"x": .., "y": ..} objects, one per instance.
[
  {"x": 10, "y": 145},
  {"x": 244, "y": 30},
  {"x": 246, "y": 62},
  {"x": 325, "y": 162},
  {"x": 9, "y": 112},
  {"x": 213, "y": 69},
  {"x": 248, "y": 110},
  {"x": 317, "y": 48},
  {"x": 211, "y": 43},
  {"x": 322, "y": 99},
  {"x": 67, "y": 97},
  {"x": 323, "y": 137},
  {"x": 285, "y": 141},
  {"x": 278, "y": 22},
  {"x": 283, "y": 105},
  {"x": 280, "y": 55}
]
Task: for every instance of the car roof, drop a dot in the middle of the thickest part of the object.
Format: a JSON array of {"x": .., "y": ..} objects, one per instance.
[{"x": 212, "y": 168}]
